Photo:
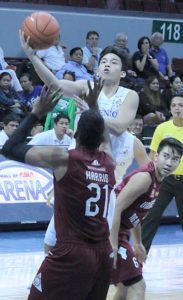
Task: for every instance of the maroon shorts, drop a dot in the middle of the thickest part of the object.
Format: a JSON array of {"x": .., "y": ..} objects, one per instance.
[
  {"x": 129, "y": 269},
  {"x": 74, "y": 271}
]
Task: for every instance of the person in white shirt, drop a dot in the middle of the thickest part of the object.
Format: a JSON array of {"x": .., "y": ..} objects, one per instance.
[
  {"x": 10, "y": 123},
  {"x": 53, "y": 57},
  {"x": 91, "y": 52},
  {"x": 56, "y": 136},
  {"x": 4, "y": 66}
]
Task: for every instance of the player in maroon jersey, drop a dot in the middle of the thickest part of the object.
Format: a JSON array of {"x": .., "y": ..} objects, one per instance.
[
  {"x": 136, "y": 195},
  {"x": 79, "y": 267}
]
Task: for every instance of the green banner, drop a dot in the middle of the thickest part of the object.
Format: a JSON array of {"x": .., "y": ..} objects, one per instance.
[{"x": 172, "y": 31}]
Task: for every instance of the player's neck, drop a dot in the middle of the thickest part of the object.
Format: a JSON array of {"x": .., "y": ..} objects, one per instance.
[
  {"x": 110, "y": 89},
  {"x": 159, "y": 176}
]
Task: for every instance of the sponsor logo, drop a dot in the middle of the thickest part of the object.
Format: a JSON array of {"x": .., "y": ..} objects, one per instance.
[{"x": 21, "y": 183}]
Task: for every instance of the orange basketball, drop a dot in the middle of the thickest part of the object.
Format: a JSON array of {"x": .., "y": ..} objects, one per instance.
[{"x": 42, "y": 28}]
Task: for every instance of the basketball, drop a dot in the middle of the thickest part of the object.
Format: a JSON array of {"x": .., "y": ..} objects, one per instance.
[{"x": 42, "y": 28}]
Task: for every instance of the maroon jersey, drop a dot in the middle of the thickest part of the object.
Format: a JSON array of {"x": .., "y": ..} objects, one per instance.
[
  {"x": 82, "y": 197},
  {"x": 138, "y": 210}
]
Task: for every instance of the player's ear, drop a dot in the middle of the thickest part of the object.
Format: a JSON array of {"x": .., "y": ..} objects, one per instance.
[{"x": 123, "y": 74}]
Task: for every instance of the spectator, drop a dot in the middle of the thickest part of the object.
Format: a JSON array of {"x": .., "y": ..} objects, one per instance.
[
  {"x": 75, "y": 65},
  {"x": 9, "y": 98},
  {"x": 56, "y": 136},
  {"x": 151, "y": 107},
  {"x": 136, "y": 127},
  {"x": 91, "y": 52},
  {"x": 30, "y": 92},
  {"x": 165, "y": 69},
  {"x": 10, "y": 123},
  {"x": 144, "y": 62},
  {"x": 4, "y": 66},
  {"x": 53, "y": 57},
  {"x": 173, "y": 89},
  {"x": 65, "y": 105},
  {"x": 120, "y": 42}
]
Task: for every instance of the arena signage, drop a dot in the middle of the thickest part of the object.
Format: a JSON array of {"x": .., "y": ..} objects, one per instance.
[
  {"x": 172, "y": 31},
  {"x": 21, "y": 183}
]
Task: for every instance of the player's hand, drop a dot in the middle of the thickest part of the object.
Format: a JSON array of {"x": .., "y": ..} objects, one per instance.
[
  {"x": 140, "y": 252},
  {"x": 80, "y": 103},
  {"x": 25, "y": 44},
  {"x": 93, "y": 92},
  {"x": 47, "y": 101}
]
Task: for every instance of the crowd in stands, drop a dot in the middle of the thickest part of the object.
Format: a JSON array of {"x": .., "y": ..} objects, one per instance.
[
  {"x": 148, "y": 72},
  {"x": 165, "y": 6}
]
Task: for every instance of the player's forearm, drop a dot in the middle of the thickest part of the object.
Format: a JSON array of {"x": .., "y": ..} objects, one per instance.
[
  {"x": 43, "y": 72},
  {"x": 115, "y": 230},
  {"x": 136, "y": 233},
  {"x": 115, "y": 127}
]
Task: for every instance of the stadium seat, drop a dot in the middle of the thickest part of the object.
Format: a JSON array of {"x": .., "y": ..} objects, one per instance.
[
  {"x": 81, "y": 3},
  {"x": 177, "y": 65},
  {"x": 167, "y": 6},
  {"x": 179, "y": 7},
  {"x": 151, "y": 5},
  {"x": 134, "y": 5},
  {"x": 58, "y": 2},
  {"x": 122, "y": 4},
  {"x": 96, "y": 3}
]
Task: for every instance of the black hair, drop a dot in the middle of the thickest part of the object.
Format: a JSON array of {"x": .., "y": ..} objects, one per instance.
[
  {"x": 141, "y": 40},
  {"x": 3, "y": 74},
  {"x": 90, "y": 129},
  {"x": 11, "y": 118},
  {"x": 138, "y": 116},
  {"x": 26, "y": 74},
  {"x": 70, "y": 73},
  {"x": 73, "y": 50},
  {"x": 172, "y": 143},
  {"x": 177, "y": 95},
  {"x": 89, "y": 33},
  {"x": 172, "y": 78},
  {"x": 61, "y": 115},
  {"x": 114, "y": 50}
]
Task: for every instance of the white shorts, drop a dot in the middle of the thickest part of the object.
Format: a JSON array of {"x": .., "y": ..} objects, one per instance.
[{"x": 50, "y": 235}]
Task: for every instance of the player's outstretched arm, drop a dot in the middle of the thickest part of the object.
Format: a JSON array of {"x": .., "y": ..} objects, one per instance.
[
  {"x": 69, "y": 88},
  {"x": 16, "y": 149}
]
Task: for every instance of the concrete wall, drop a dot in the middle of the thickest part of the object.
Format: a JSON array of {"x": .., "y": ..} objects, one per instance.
[{"x": 74, "y": 25}]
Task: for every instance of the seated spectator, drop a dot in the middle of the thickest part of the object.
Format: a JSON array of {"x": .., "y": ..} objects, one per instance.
[
  {"x": 91, "y": 52},
  {"x": 75, "y": 65},
  {"x": 120, "y": 42},
  {"x": 53, "y": 57},
  {"x": 11, "y": 70},
  {"x": 10, "y": 123},
  {"x": 151, "y": 107},
  {"x": 56, "y": 136},
  {"x": 136, "y": 127},
  {"x": 165, "y": 68},
  {"x": 144, "y": 62},
  {"x": 65, "y": 105},
  {"x": 174, "y": 88},
  {"x": 30, "y": 92},
  {"x": 9, "y": 98}
]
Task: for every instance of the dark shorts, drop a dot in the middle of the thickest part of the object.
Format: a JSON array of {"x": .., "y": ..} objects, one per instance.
[
  {"x": 129, "y": 269},
  {"x": 74, "y": 271}
]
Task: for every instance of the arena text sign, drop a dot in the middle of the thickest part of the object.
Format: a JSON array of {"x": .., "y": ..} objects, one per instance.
[{"x": 21, "y": 183}]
